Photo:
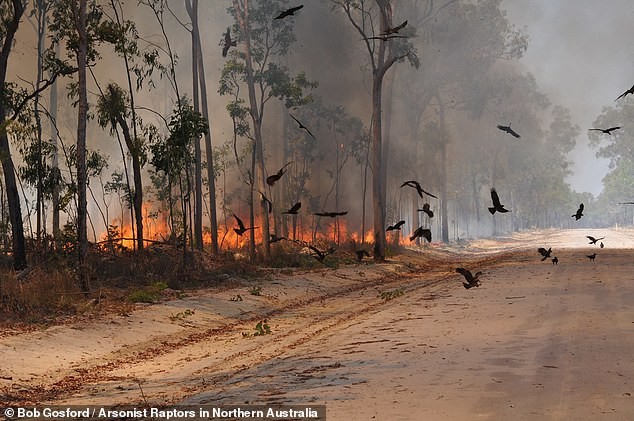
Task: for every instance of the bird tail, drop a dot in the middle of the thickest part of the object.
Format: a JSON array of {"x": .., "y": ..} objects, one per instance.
[{"x": 492, "y": 210}]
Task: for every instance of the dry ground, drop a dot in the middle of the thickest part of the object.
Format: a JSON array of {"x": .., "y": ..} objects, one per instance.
[{"x": 400, "y": 341}]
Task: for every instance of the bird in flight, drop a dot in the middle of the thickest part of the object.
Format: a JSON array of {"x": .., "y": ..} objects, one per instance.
[
  {"x": 601, "y": 245},
  {"x": 394, "y": 30},
  {"x": 626, "y": 203},
  {"x": 508, "y": 130},
  {"x": 497, "y": 206},
  {"x": 273, "y": 238},
  {"x": 545, "y": 253},
  {"x": 267, "y": 201},
  {"x": 592, "y": 256},
  {"x": 293, "y": 210},
  {"x": 387, "y": 37},
  {"x": 396, "y": 226},
  {"x": 301, "y": 126},
  {"x": 427, "y": 210},
  {"x": 419, "y": 189},
  {"x": 629, "y": 91},
  {"x": 593, "y": 240},
  {"x": 331, "y": 214},
  {"x": 228, "y": 43},
  {"x": 607, "y": 131},
  {"x": 272, "y": 179},
  {"x": 421, "y": 232},
  {"x": 472, "y": 280},
  {"x": 579, "y": 213},
  {"x": 289, "y": 12},
  {"x": 241, "y": 228},
  {"x": 320, "y": 255}
]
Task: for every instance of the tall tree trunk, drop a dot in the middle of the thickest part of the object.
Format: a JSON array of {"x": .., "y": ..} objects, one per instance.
[
  {"x": 55, "y": 161},
  {"x": 256, "y": 117},
  {"x": 8, "y": 169},
  {"x": 82, "y": 177},
  {"x": 443, "y": 170},
  {"x": 378, "y": 204}
]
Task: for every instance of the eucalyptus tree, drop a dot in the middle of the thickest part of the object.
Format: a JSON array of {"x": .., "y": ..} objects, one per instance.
[
  {"x": 262, "y": 40},
  {"x": 372, "y": 19}
]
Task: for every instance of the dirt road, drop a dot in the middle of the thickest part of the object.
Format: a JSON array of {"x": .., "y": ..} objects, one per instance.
[{"x": 400, "y": 341}]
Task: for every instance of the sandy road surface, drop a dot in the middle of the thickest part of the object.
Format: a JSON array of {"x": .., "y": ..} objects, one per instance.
[{"x": 535, "y": 341}]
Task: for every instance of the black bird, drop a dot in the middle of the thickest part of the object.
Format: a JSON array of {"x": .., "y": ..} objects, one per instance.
[
  {"x": 508, "y": 130},
  {"x": 320, "y": 255},
  {"x": 593, "y": 240},
  {"x": 555, "y": 260},
  {"x": 545, "y": 253},
  {"x": 331, "y": 214},
  {"x": 579, "y": 213},
  {"x": 607, "y": 131},
  {"x": 228, "y": 43},
  {"x": 273, "y": 238},
  {"x": 629, "y": 91},
  {"x": 472, "y": 280},
  {"x": 497, "y": 206},
  {"x": 591, "y": 257},
  {"x": 394, "y": 30},
  {"x": 387, "y": 37},
  {"x": 395, "y": 227},
  {"x": 241, "y": 229},
  {"x": 267, "y": 201},
  {"x": 272, "y": 179},
  {"x": 293, "y": 210},
  {"x": 427, "y": 210},
  {"x": 301, "y": 126},
  {"x": 626, "y": 203},
  {"x": 289, "y": 12},
  {"x": 419, "y": 189},
  {"x": 361, "y": 253},
  {"x": 601, "y": 245},
  {"x": 421, "y": 232}
]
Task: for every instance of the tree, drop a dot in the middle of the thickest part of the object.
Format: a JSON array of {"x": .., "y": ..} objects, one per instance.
[
  {"x": 262, "y": 39},
  {"x": 363, "y": 15}
]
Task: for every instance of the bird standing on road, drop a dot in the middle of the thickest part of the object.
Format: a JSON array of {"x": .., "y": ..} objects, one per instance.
[{"x": 592, "y": 257}]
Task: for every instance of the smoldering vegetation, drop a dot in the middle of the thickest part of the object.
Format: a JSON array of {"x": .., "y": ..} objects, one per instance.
[{"x": 459, "y": 77}]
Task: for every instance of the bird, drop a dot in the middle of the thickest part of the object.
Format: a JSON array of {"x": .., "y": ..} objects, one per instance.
[
  {"x": 289, "y": 12},
  {"x": 241, "y": 228},
  {"x": 497, "y": 206},
  {"x": 555, "y": 260},
  {"x": 593, "y": 240},
  {"x": 472, "y": 280},
  {"x": 293, "y": 210},
  {"x": 272, "y": 179},
  {"x": 427, "y": 210},
  {"x": 267, "y": 201},
  {"x": 273, "y": 238},
  {"x": 228, "y": 43},
  {"x": 592, "y": 256},
  {"x": 331, "y": 214},
  {"x": 321, "y": 255},
  {"x": 579, "y": 213},
  {"x": 386, "y": 37},
  {"x": 394, "y": 30},
  {"x": 508, "y": 130},
  {"x": 607, "y": 131},
  {"x": 301, "y": 126},
  {"x": 629, "y": 91},
  {"x": 421, "y": 232},
  {"x": 626, "y": 203},
  {"x": 545, "y": 253},
  {"x": 396, "y": 226},
  {"x": 361, "y": 253},
  {"x": 419, "y": 189},
  {"x": 601, "y": 245}
]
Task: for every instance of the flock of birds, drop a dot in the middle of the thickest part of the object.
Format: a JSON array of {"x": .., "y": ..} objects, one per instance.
[{"x": 471, "y": 280}]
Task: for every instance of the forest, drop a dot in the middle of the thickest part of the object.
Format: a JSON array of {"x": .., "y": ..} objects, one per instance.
[{"x": 233, "y": 129}]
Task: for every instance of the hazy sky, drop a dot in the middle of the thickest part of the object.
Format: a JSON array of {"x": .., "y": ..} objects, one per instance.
[{"x": 581, "y": 53}]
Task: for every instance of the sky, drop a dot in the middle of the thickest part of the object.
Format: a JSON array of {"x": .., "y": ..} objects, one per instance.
[{"x": 582, "y": 56}]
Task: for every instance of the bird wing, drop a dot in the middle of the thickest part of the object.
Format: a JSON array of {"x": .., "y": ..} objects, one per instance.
[
  {"x": 240, "y": 223},
  {"x": 294, "y": 9},
  {"x": 296, "y": 207},
  {"x": 613, "y": 128},
  {"x": 427, "y": 234},
  {"x": 399, "y": 224},
  {"x": 401, "y": 26},
  {"x": 591, "y": 238},
  {"x": 495, "y": 198},
  {"x": 513, "y": 133},
  {"x": 580, "y": 207},
  {"x": 542, "y": 251},
  {"x": 467, "y": 275}
]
